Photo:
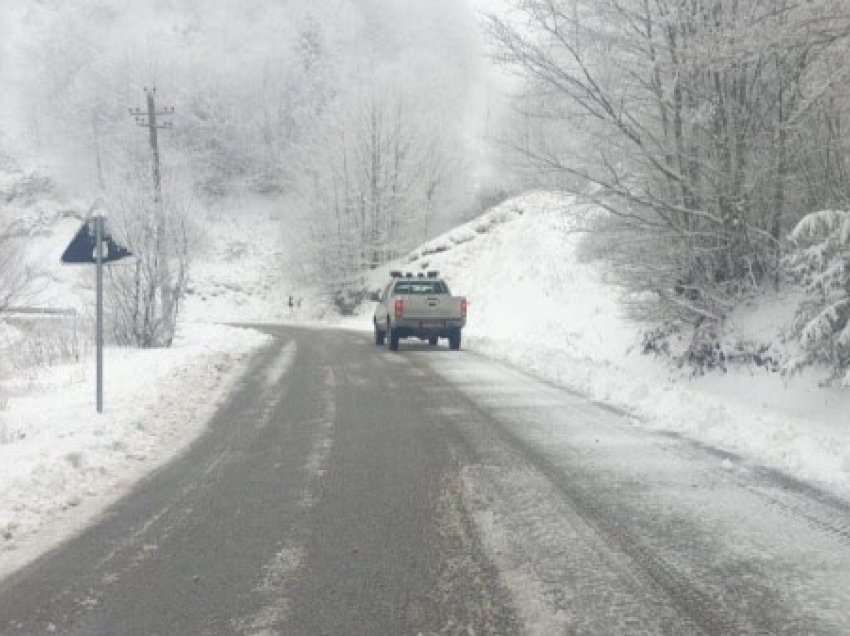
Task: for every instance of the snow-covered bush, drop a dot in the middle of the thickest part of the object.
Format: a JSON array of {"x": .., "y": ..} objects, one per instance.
[
  {"x": 146, "y": 293},
  {"x": 821, "y": 263},
  {"x": 46, "y": 342}
]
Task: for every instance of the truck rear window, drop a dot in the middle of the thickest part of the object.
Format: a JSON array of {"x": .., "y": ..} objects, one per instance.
[{"x": 420, "y": 287}]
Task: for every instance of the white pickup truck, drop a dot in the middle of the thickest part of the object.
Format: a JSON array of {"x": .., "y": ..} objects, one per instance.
[{"x": 421, "y": 307}]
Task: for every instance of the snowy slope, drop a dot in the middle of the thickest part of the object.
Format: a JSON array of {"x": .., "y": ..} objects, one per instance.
[
  {"x": 42, "y": 222},
  {"x": 239, "y": 273},
  {"x": 534, "y": 303}
]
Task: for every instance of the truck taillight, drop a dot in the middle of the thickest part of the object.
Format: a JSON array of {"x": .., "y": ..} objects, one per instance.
[
  {"x": 399, "y": 308},
  {"x": 463, "y": 305}
]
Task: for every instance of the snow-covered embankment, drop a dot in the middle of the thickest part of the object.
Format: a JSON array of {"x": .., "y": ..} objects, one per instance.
[{"x": 536, "y": 304}]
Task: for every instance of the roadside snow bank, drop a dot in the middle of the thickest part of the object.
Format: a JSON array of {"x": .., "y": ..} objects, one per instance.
[
  {"x": 534, "y": 303},
  {"x": 61, "y": 463}
]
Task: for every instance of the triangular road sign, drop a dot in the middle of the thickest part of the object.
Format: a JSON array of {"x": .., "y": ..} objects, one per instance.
[
  {"x": 114, "y": 251},
  {"x": 82, "y": 247}
]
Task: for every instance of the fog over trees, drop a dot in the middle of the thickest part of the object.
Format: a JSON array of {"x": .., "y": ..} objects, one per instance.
[
  {"x": 706, "y": 129},
  {"x": 253, "y": 80},
  {"x": 358, "y": 116}
]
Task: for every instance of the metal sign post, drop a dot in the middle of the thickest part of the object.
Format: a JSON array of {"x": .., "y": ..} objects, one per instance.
[
  {"x": 99, "y": 337},
  {"x": 87, "y": 247}
]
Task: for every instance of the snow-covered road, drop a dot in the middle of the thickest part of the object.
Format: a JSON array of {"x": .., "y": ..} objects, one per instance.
[
  {"x": 599, "y": 526},
  {"x": 347, "y": 489}
]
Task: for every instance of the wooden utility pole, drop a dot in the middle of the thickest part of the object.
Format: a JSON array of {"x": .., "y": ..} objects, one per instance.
[
  {"x": 95, "y": 127},
  {"x": 148, "y": 119}
]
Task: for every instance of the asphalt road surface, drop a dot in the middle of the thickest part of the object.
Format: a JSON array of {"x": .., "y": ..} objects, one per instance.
[{"x": 346, "y": 489}]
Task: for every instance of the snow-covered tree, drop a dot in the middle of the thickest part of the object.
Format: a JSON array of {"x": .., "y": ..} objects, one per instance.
[
  {"x": 821, "y": 262},
  {"x": 145, "y": 293},
  {"x": 19, "y": 278},
  {"x": 700, "y": 126},
  {"x": 383, "y": 151},
  {"x": 369, "y": 182}
]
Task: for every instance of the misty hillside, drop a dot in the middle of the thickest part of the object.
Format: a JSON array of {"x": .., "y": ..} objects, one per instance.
[{"x": 267, "y": 161}]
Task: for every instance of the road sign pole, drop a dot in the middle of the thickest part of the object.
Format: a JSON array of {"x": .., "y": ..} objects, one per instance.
[
  {"x": 99, "y": 337},
  {"x": 87, "y": 247}
]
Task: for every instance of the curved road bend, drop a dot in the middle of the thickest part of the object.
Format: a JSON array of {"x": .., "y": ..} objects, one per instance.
[{"x": 346, "y": 489}]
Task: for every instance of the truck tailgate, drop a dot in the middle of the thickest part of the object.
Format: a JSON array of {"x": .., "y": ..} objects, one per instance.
[{"x": 437, "y": 307}]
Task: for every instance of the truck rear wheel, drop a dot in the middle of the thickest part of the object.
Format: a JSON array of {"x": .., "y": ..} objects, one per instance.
[
  {"x": 380, "y": 336},
  {"x": 393, "y": 339},
  {"x": 432, "y": 341},
  {"x": 454, "y": 340}
]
